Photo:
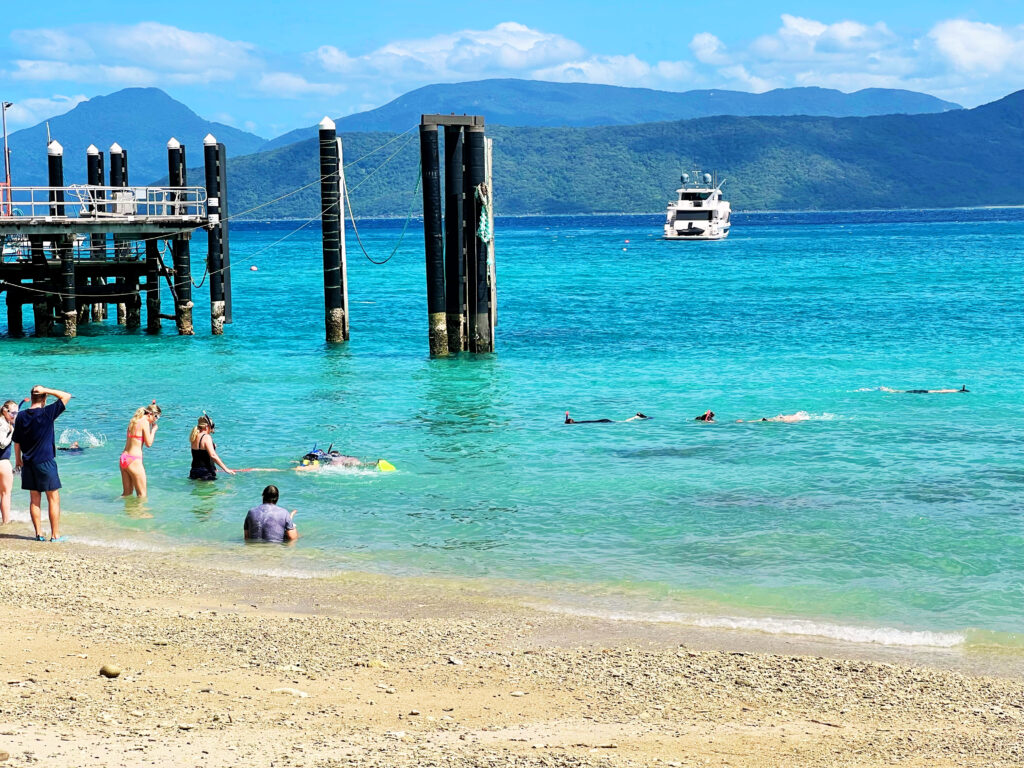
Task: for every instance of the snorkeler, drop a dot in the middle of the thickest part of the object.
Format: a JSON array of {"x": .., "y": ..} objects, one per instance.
[
  {"x": 926, "y": 391},
  {"x": 569, "y": 420},
  {"x": 787, "y": 418},
  {"x": 331, "y": 458},
  {"x": 75, "y": 447},
  {"x": 708, "y": 415}
]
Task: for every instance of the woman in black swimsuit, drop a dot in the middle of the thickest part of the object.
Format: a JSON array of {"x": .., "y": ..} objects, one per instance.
[{"x": 204, "y": 452}]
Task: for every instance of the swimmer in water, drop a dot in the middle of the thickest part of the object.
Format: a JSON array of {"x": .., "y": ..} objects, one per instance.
[
  {"x": 787, "y": 418},
  {"x": 330, "y": 458},
  {"x": 926, "y": 391},
  {"x": 568, "y": 420},
  {"x": 708, "y": 415},
  {"x": 73, "y": 448}
]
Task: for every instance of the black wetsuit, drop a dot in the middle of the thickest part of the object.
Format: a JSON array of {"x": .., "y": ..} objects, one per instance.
[
  {"x": 203, "y": 467},
  {"x": 590, "y": 421}
]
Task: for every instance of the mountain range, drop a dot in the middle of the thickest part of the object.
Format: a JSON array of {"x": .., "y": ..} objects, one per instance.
[
  {"x": 141, "y": 120},
  {"x": 944, "y": 157},
  {"x": 536, "y": 103},
  {"x": 956, "y": 158}
]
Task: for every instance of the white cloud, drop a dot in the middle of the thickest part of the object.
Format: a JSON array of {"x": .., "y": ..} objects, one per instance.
[
  {"x": 507, "y": 49},
  {"x": 26, "y": 112},
  {"x": 289, "y": 86},
  {"x": 708, "y": 49},
  {"x": 617, "y": 70},
  {"x": 975, "y": 47},
  {"x": 166, "y": 53},
  {"x": 87, "y": 73},
  {"x": 800, "y": 39}
]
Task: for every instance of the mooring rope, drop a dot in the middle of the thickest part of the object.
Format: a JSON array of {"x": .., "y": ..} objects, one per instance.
[{"x": 401, "y": 237}]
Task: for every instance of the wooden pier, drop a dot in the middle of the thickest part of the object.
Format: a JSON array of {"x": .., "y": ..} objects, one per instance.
[{"x": 69, "y": 251}]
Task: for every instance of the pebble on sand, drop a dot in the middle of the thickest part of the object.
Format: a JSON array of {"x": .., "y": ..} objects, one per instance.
[{"x": 110, "y": 670}]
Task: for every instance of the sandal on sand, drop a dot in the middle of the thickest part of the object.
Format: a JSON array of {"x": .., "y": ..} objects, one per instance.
[
  {"x": 59, "y": 538},
  {"x": 40, "y": 538}
]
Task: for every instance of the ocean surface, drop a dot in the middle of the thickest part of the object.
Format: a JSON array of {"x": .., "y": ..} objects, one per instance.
[{"x": 880, "y": 517}]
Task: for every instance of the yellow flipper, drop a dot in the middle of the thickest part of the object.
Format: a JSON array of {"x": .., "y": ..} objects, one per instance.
[{"x": 385, "y": 466}]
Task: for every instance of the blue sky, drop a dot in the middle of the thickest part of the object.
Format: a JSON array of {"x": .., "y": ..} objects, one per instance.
[{"x": 267, "y": 67}]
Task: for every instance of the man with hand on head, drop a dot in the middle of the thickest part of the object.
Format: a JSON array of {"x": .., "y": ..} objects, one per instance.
[
  {"x": 269, "y": 522},
  {"x": 35, "y": 450}
]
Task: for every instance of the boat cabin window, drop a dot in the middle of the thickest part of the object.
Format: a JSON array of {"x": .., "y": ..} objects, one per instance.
[
  {"x": 694, "y": 195},
  {"x": 704, "y": 215}
]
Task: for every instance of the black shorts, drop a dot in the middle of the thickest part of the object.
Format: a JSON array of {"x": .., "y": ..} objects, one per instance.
[{"x": 40, "y": 477}]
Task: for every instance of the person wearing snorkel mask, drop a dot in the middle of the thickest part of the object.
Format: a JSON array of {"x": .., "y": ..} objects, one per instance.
[{"x": 204, "y": 451}]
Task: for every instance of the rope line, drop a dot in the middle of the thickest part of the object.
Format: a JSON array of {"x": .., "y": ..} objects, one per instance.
[{"x": 401, "y": 237}]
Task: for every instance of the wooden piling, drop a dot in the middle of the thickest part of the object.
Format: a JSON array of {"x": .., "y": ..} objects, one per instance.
[
  {"x": 41, "y": 313},
  {"x": 476, "y": 284},
  {"x": 119, "y": 178},
  {"x": 133, "y": 306},
  {"x": 15, "y": 322},
  {"x": 330, "y": 198},
  {"x": 225, "y": 236},
  {"x": 454, "y": 256},
  {"x": 433, "y": 236},
  {"x": 152, "y": 286},
  {"x": 179, "y": 246},
  {"x": 97, "y": 240},
  {"x": 214, "y": 251},
  {"x": 63, "y": 246}
]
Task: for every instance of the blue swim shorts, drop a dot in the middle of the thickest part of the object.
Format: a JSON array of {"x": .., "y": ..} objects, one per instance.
[{"x": 40, "y": 477}]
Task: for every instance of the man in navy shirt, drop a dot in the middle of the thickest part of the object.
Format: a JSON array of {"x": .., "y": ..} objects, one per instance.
[
  {"x": 35, "y": 450},
  {"x": 269, "y": 522}
]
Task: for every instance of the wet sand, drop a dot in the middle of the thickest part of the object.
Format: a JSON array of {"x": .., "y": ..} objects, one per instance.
[{"x": 220, "y": 668}]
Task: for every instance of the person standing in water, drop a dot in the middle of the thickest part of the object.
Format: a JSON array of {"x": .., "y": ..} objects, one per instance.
[
  {"x": 204, "y": 452},
  {"x": 35, "y": 450},
  {"x": 7, "y": 413},
  {"x": 141, "y": 431}
]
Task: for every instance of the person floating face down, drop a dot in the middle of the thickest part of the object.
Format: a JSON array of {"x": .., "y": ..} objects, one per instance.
[
  {"x": 708, "y": 415},
  {"x": 268, "y": 521}
]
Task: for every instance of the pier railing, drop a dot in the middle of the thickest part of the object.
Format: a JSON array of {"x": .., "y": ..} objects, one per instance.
[{"x": 84, "y": 201}]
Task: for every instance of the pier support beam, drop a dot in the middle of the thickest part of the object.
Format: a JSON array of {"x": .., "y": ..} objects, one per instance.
[
  {"x": 476, "y": 257},
  {"x": 179, "y": 247},
  {"x": 63, "y": 248},
  {"x": 454, "y": 256},
  {"x": 119, "y": 178},
  {"x": 15, "y": 323},
  {"x": 152, "y": 286},
  {"x": 97, "y": 241},
  {"x": 330, "y": 217},
  {"x": 41, "y": 314},
  {"x": 433, "y": 236},
  {"x": 215, "y": 234}
]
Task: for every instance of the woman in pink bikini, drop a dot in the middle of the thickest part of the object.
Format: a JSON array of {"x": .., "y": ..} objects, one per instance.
[{"x": 141, "y": 430}]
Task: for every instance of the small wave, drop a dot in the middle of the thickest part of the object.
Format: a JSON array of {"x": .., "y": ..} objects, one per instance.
[
  {"x": 83, "y": 437},
  {"x": 132, "y": 545},
  {"x": 888, "y": 636}
]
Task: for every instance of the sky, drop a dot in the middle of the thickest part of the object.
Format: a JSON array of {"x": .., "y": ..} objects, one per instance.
[{"x": 267, "y": 68}]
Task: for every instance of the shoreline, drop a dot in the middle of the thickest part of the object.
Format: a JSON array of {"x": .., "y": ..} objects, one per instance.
[
  {"x": 226, "y": 668},
  {"x": 618, "y": 614}
]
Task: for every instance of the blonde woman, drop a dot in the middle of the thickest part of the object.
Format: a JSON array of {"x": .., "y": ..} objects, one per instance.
[
  {"x": 7, "y": 413},
  {"x": 204, "y": 452},
  {"x": 141, "y": 431}
]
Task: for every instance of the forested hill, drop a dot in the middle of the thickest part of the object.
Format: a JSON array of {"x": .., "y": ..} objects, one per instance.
[
  {"x": 958, "y": 158},
  {"x": 537, "y": 103},
  {"x": 141, "y": 120}
]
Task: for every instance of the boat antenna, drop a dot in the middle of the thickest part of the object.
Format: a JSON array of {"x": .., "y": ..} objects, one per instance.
[{"x": 48, "y": 139}]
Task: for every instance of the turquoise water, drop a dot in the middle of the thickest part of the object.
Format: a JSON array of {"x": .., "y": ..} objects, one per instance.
[{"x": 881, "y": 517}]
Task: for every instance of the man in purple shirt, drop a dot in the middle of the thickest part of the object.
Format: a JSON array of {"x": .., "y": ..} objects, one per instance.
[
  {"x": 35, "y": 451},
  {"x": 269, "y": 522}
]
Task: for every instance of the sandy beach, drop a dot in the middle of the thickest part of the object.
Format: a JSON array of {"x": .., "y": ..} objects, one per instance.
[{"x": 228, "y": 669}]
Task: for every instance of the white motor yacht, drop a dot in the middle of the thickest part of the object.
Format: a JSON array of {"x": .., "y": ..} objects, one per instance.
[{"x": 699, "y": 212}]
